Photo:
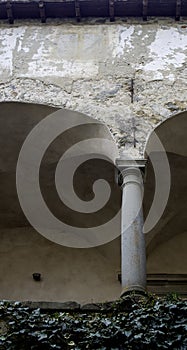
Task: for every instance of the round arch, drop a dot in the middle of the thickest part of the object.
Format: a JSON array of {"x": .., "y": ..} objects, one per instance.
[
  {"x": 83, "y": 275},
  {"x": 170, "y": 230}
]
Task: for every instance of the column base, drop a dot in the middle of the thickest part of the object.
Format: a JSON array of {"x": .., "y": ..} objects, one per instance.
[{"x": 137, "y": 290}]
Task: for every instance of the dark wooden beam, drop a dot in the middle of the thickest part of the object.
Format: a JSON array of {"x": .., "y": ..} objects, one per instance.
[
  {"x": 42, "y": 11},
  {"x": 77, "y": 10},
  {"x": 87, "y": 8},
  {"x": 145, "y": 9},
  {"x": 9, "y": 12},
  {"x": 178, "y": 10},
  {"x": 111, "y": 10}
]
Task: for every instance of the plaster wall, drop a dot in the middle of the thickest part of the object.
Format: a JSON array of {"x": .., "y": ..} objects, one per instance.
[
  {"x": 88, "y": 67},
  {"x": 67, "y": 274},
  {"x": 170, "y": 256}
]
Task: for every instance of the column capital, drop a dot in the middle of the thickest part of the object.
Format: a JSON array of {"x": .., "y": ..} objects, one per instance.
[
  {"x": 130, "y": 163},
  {"x": 130, "y": 170}
]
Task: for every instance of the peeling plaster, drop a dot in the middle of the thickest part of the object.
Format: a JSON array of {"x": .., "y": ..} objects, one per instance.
[
  {"x": 88, "y": 68},
  {"x": 124, "y": 40},
  {"x": 8, "y": 40},
  {"x": 167, "y": 49}
]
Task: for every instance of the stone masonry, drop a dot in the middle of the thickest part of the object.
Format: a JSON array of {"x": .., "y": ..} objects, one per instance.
[{"x": 89, "y": 67}]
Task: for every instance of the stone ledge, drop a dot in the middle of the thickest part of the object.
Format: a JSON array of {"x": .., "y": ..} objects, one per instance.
[
  {"x": 124, "y": 303},
  {"x": 50, "y": 305},
  {"x": 64, "y": 306}
]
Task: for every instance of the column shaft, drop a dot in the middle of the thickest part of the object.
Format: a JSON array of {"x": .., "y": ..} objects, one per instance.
[{"x": 133, "y": 255}]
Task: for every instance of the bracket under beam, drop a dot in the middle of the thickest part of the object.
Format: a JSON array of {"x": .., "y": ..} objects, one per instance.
[
  {"x": 9, "y": 12},
  {"x": 111, "y": 10},
  {"x": 145, "y": 9},
  {"x": 77, "y": 10},
  {"x": 178, "y": 10},
  {"x": 42, "y": 11}
]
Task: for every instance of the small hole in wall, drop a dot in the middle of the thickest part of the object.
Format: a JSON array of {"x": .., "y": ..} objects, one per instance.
[{"x": 36, "y": 276}]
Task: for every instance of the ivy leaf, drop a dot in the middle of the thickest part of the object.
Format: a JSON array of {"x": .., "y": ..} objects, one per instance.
[{"x": 128, "y": 333}]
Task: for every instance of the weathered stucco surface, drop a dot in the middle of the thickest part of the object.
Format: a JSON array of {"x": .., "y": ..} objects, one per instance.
[{"x": 89, "y": 67}]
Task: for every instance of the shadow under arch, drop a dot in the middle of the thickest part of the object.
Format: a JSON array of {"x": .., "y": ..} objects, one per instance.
[
  {"x": 17, "y": 120},
  {"x": 84, "y": 275},
  {"x": 172, "y": 135}
]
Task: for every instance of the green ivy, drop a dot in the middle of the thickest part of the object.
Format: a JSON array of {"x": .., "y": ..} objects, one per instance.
[{"x": 130, "y": 323}]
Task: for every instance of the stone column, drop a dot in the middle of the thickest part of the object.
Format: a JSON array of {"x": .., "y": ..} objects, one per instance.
[{"x": 133, "y": 254}]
